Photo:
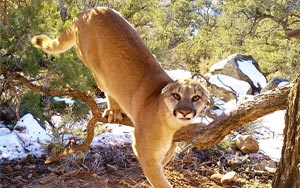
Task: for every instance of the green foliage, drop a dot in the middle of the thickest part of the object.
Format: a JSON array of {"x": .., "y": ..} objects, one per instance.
[
  {"x": 31, "y": 103},
  {"x": 181, "y": 34},
  {"x": 225, "y": 144}
]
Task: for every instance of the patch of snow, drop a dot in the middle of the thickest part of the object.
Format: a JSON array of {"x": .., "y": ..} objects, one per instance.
[
  {"x": 2, "y": 125},
  {"x": 118, "y": 129},
  {"x": 71, "y": 101},
  {"x": 228, "y": 83},
  {"x": 4, "y": 131},
  {"x": 179, "y": 74},
  {"x": 56, "y": 119},
  {"x": 271, "y": 147},
  {"x": 27, "y": 137},
  {"x": 118, "y": 135},
  {"x": 283, "y": 84},
  {"x": 31, "y": 130},
  {"x": 11, "y": 147},
  {"x": 269, "y": 134},
  {"x": 251, "y": 71},
  {"x": 107, "y": 140},
  {"x": 100, "y": 100},
  {"x": 275, "y": 122},
  {"x": 66, "y": 100}
]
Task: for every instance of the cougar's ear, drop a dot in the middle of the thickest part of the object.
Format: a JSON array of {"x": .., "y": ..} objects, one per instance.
[{"x": 168, "y": 87}]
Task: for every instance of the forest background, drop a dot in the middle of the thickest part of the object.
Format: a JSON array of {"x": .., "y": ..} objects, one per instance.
[{"x": 190, "y": 35}]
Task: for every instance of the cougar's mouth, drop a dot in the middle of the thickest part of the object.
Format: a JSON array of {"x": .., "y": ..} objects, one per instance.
[{"x": 184, "y": 118}]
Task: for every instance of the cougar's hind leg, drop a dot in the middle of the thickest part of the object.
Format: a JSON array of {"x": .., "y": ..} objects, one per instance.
[
  {"x": 170, "y": 154},
  {"x": 113, "y": 113}
]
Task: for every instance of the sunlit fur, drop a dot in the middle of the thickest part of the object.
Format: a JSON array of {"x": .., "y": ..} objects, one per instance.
[{"x": 127, "y": 71}]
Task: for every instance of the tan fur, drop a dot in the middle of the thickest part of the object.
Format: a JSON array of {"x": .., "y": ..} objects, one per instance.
[{"x": 135, "y": 84}]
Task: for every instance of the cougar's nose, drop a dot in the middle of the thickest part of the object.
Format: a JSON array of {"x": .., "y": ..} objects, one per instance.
[{"x": 184, "y": 112}]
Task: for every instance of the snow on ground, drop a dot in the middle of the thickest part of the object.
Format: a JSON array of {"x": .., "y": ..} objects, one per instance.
[
  {"x": 230, "y": 83},
  {"x": 118, "y": 135},
  {"x": 269, "y": 134},
  {"x": 27, "y": 137}
]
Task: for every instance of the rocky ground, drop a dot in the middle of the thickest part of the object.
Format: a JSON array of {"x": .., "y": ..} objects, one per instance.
[{"x": 117, "y": 167}]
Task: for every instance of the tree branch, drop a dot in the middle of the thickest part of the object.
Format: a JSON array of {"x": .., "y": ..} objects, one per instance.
[
  {"x": 76, "y": 94},
  {"x": 293, "y": 33},
  {"x": 289, "y": 33},
  {"x": 202, "y": 136}
]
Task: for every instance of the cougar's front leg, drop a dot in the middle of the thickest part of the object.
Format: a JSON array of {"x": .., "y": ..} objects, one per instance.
[
  {"x": 150, "y": 155},
  {"x": 113, "y": 111}
]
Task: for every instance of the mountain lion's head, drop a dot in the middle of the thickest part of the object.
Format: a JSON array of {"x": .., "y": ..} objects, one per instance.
[{"x": 186, "y": 99}]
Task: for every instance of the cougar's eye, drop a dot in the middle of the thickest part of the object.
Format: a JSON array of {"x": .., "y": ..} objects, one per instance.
[
  {"x": 176, "y": 96},
  {"x": 196, "y": 98}
]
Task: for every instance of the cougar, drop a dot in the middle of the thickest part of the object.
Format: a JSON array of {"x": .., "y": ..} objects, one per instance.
[{"x": 135, "y": 84}]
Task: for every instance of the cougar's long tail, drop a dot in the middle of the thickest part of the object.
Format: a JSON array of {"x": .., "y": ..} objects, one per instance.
[{"x": 65, "y": 41}]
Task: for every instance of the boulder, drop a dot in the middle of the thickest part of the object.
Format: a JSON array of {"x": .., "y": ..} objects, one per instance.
[
  {"x": 241, "y": 67},
  {"x": 275, "y": 82},
  {"x": 227, "y": 88},
  {"x": 247, "y": 144}
]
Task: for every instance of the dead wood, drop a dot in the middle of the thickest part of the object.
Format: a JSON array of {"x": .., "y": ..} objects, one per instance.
[
  {"x": 202, "y": 136},
  {"x": 206, "y": 136}
]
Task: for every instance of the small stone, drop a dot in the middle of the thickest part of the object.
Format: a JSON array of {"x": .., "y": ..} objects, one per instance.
[
  {"x": 7, "y": 169},
  {"x": 228, "y": 177},
  {"x": 47, "y": 179},
  {"x": 216, "y": 176},
  {"x": 265, "y": 163},
  {"x": 27, "y": 159},
  {"x": 18, "y": 168},
  {"x": 29, "y": 176},
  {"x": 19, "y": 178},
  {"x": 31, "y": 167},
  {"x": 247, "y": 144},
  {"x": 271, "y": 170},
  {"x": 112, "y": 167}
]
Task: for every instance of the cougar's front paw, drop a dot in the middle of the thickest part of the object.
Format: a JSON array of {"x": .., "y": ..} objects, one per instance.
[{"x": 113, "y": 115}]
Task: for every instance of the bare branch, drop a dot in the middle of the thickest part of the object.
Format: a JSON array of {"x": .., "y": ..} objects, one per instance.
[
  {"x": 206, "y": 136},
  {"x": 200, "y": 135},
  {"x": 76, "y": 94},
  {"x": 289, "y": 33},
  {"x": 293, "y": 33}
]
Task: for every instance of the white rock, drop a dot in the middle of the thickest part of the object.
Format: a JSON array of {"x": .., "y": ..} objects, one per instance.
[{"x": 228, "y": 177}]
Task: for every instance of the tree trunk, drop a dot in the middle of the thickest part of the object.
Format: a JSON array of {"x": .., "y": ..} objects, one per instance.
[{"x": 288, "y": 173}]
